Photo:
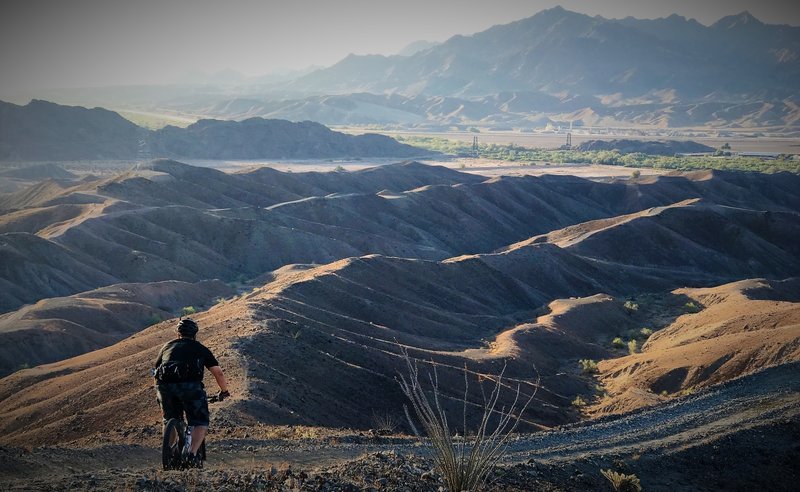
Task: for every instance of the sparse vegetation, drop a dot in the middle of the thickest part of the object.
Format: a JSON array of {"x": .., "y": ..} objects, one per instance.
[
  {"x": 588, "y": 366},
  {"x": 153, "y": 319},
  {"x": 384, "y": 422},
  {"x": 636, "y": 174},
  {"x": 512, "y": 152},
  {"x": 631, "y": 307},
  {"x": 633, "y": 346},
  {"x": 691, "y": 307},
  {"x": 188, "y": 310},
  {"x": 618, "y": 342},
  {"x": 464, "y": 463},
  {"x": 339, "y": 169},
  {"x": 646, "y": 332},
  {"x": 622, "y": 482},
  {"x": 578, "y": 402}
]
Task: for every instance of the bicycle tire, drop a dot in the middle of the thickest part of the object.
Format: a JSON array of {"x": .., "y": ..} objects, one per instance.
[{"x": 171, "y": 452}]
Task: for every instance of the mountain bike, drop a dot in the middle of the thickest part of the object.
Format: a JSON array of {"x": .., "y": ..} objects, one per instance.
[{"x": 177, "y": 443}]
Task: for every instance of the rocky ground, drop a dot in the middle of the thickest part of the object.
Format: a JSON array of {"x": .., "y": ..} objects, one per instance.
[{"x": 741, "y": 435}]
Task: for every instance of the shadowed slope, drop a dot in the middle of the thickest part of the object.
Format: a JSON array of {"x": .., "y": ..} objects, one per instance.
[
  {"x": 62, "y": 327},
  {"x": 195, "y": 223},
  {"x": 316, "y": 343}
]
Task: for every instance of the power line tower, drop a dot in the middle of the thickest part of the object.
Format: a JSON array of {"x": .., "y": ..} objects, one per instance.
[
  {"x": 474, "y": 146},
  {"x": 568, "y": 145}
]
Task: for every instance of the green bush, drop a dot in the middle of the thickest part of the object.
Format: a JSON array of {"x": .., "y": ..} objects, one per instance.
[
  {"x": 588, "y": 366},
  {"x": 187, "y": 310},
  {"x": 646, "y": 332},
  {"x": 622, "y": 482},
  {"x": 617, "y": 342},
  {"x": 691, "y": 307},
  {"x": 631, "y": 306},
  {"x": 633, "y": 346},
  {"x": 578, "y": 402}
]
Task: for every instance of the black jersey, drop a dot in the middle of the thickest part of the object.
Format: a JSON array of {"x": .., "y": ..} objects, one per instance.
[{"x": 182, "y": 360}]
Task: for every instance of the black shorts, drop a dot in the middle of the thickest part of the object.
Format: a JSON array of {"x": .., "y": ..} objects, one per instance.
[{"x": 177, "y": 398}]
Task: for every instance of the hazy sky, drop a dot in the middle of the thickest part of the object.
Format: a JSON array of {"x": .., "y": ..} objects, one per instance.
[{"x": 68, "y": 43}]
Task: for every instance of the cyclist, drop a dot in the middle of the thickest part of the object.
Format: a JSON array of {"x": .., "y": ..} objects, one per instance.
[{"x": 179, "y": 382}]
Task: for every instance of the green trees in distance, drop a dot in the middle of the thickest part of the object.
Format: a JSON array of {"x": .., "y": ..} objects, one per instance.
[{"x": 526, "y": 156}]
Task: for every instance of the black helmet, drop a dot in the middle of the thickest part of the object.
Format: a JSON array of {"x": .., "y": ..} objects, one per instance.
[{"x": 187, "y": 328}]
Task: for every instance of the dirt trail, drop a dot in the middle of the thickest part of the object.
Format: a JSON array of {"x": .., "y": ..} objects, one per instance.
[{"x": 758, "y": 403}]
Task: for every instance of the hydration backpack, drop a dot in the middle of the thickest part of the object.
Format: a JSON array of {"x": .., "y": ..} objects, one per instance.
[{"x": 179, "y": 371}]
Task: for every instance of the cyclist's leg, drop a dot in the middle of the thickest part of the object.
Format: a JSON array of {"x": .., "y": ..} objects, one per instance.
[
  {"x": 196, "y": 405},
  {"x": 171, "y": 407}
]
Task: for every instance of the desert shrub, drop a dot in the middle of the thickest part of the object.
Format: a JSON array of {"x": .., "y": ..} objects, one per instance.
[
  {"x": 646, "y": 332},
  {"x": 617, "y": 342},
  {"x": 464, "y": 463},
  {"x": 633, "y": 346},
  {"x": 384, "y": 422},
  {"x": 622, "y": 482},
  {"x": 691, "y": 307},
  {"x": 588, "y": 366},
  {"x": 578, "y": 402},
  {"x": 600, "y": 390},
  {"x": 339, "y": 169},
  {"x": 631, "y": 306},
  {"x": 187, "y": 310},
  {"x": 636, "y": 174}
]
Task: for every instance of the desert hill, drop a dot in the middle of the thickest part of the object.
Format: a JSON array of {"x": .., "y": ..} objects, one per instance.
[
  {"x": 468, "y": 271},
  {"x": 743, "y": 326},
  {"x": 137, "y": 229},
  {"x": 657, "y": 147},
  {"x": 522, "y": 109},
  {"x": 341, "y": 323},
  {"x": 257, "y": 138},
  {"x": 60, "y": 327},
  {"x": 37, "y": 172},
  {"x": 43, "y": 130}
]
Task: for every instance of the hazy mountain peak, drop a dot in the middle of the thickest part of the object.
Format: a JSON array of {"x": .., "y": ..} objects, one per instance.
[
  {"x": 742, "y": 19},
  {"x": 416, "y": 46}
]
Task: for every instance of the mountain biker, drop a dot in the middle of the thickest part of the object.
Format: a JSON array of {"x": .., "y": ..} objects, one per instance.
[{"x": 179, "y": 382}]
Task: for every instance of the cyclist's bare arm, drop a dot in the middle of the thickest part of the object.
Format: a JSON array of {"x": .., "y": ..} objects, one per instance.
[{"x": 220, "y": 377}]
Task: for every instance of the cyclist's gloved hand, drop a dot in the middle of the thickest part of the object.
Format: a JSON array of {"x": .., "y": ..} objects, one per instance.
[{"x": 222, "y": 395}]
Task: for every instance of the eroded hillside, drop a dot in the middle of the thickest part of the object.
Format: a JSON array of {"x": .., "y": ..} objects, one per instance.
[{"x": 318, "y": 343}]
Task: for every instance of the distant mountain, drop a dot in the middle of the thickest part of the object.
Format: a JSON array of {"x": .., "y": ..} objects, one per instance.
[
  {"x": 559, "y": 51},
  {"x": 519, "y": 109},
  {"x": 257, "y": 138},
  {"x": 43, "y": 130},
  {"x": 416, "y": 47},
  {"x": 48, "y": 131},
  {"x": 658, "y": 147}
]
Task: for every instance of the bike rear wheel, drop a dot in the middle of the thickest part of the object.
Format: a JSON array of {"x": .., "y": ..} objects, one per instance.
[{"x": 172, "y": 445}]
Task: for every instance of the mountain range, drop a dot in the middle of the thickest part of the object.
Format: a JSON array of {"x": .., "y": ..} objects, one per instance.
[
  {"x": 43, "y": 130},
  {"x": 554, "y": 67},
  {"x": 558, "y": 51}
]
